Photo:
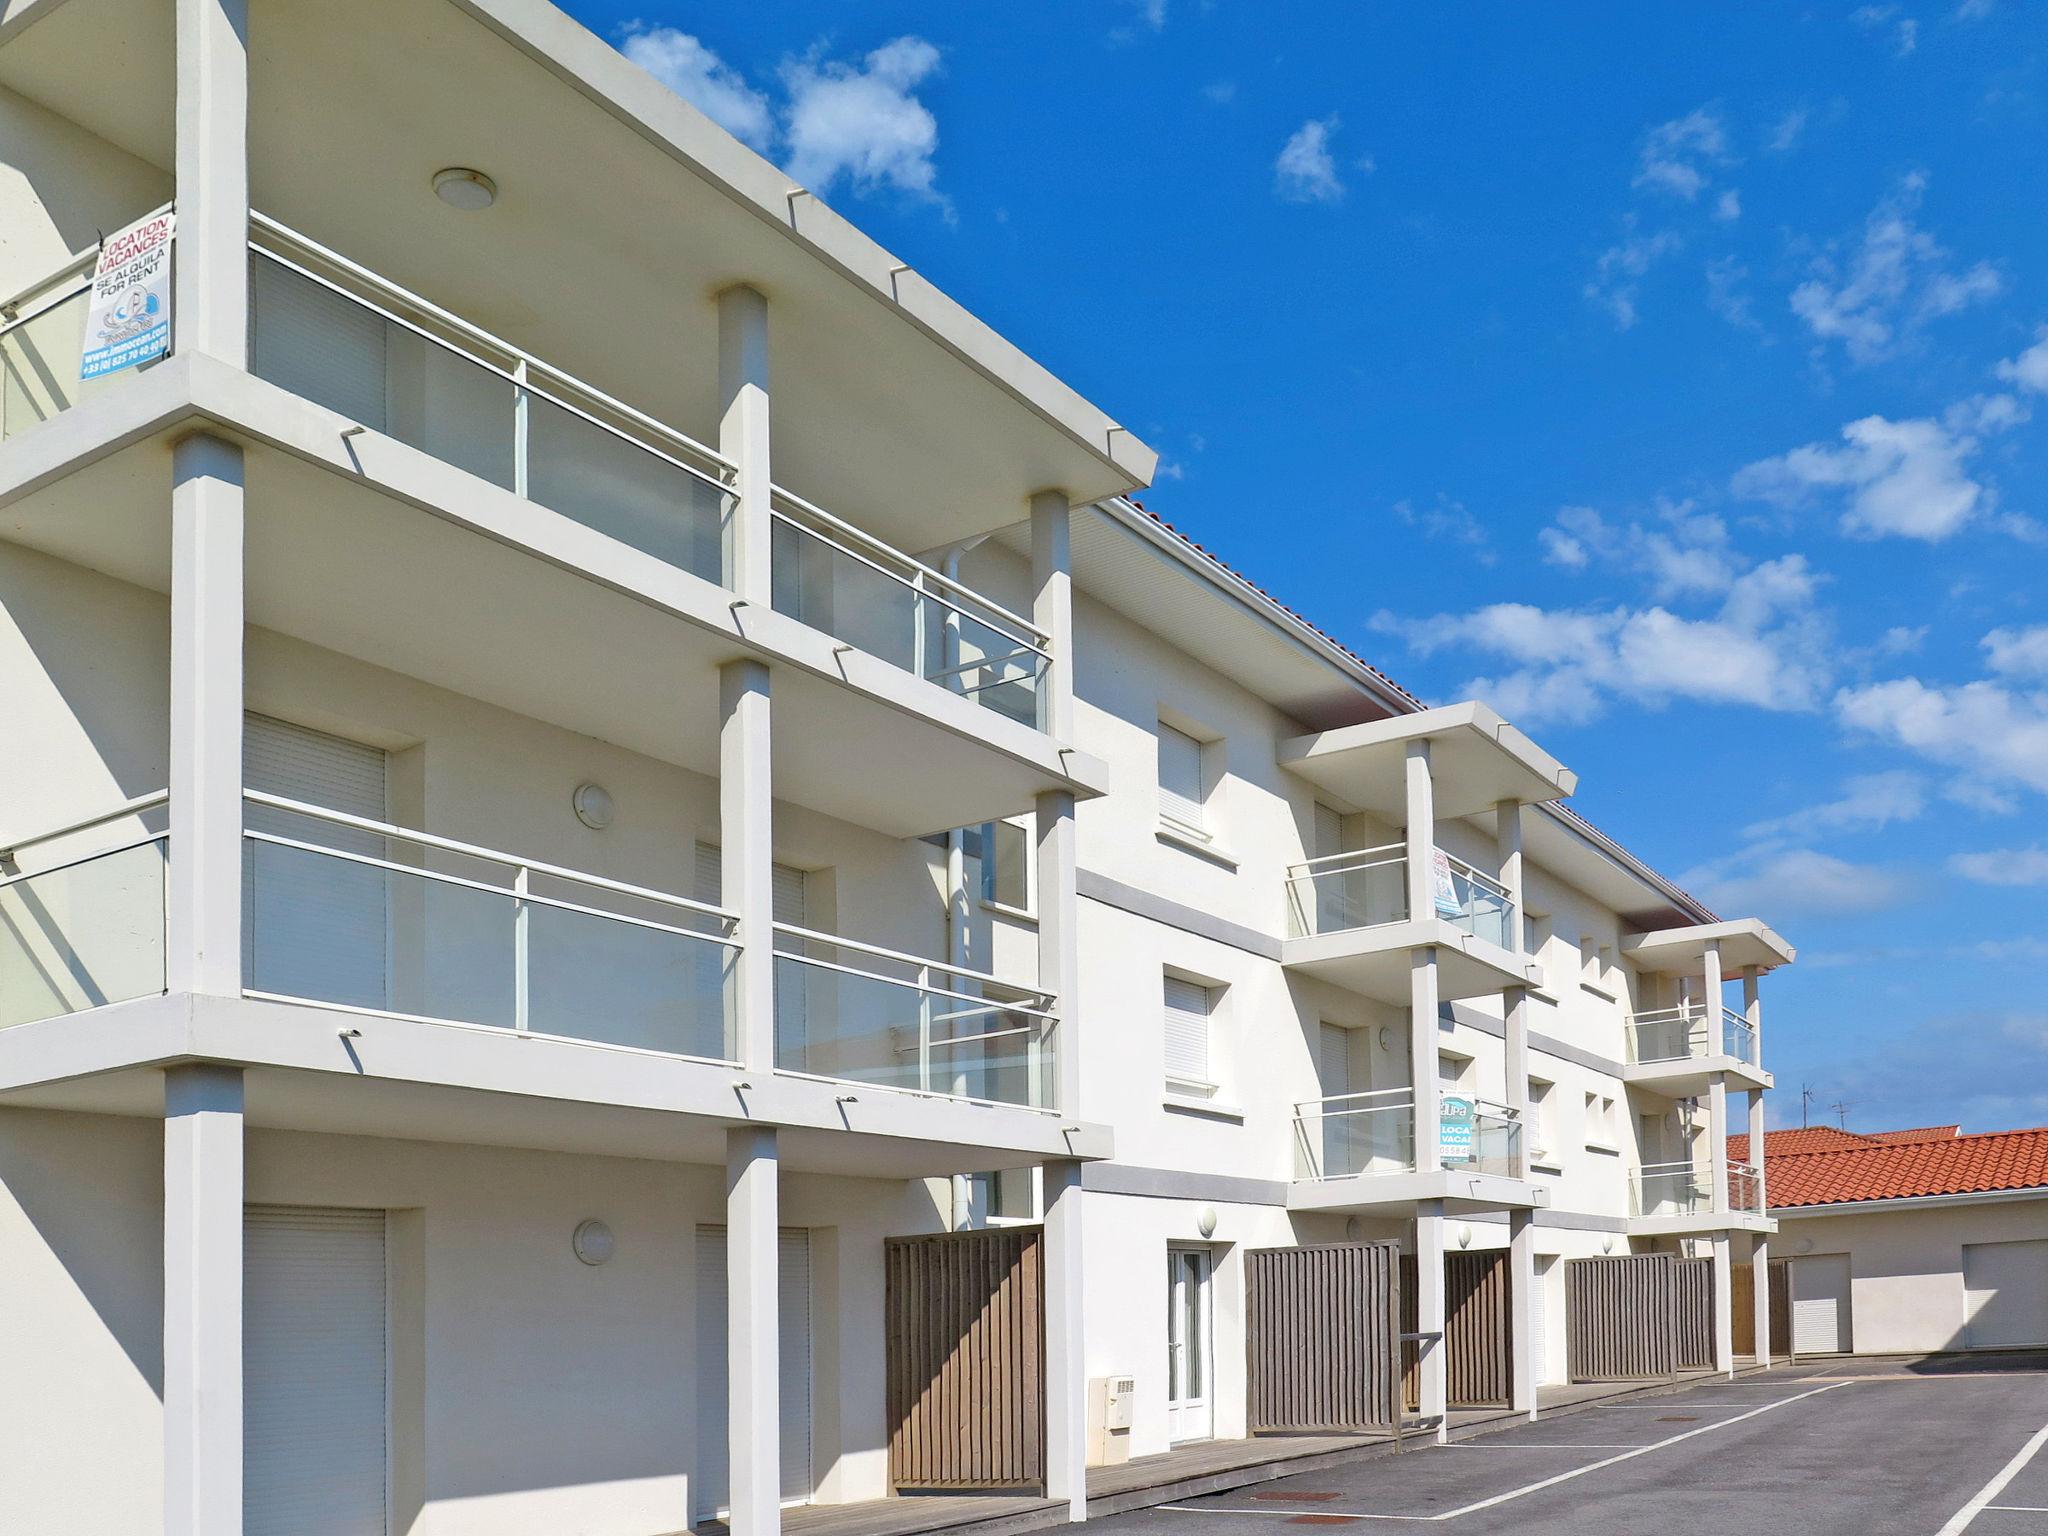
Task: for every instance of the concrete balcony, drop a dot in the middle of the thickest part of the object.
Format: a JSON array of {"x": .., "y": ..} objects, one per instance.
[
  {"x": 1677, "y": 1052},
  {"x": 1677, "y": 1199},
  {"x": 1349, "y": 923},
  {"x": 1356, "y": 1153},
  {"x": 399, "y": 983}
]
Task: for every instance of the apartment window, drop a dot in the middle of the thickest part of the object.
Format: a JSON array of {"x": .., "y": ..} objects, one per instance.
[
  {"x": 1451, "y": 1070},
  {"x": 1535, "y": 933},
  {"x": 1190, "y": 1010},
  {"x": 1008, "y": 1194},
  {"x": 1005, "y": 852},
  {"x": 1183, "y": 781},
  {"x": 1542, "y": 1131},
  {"x": 1600, "y": 1121}
]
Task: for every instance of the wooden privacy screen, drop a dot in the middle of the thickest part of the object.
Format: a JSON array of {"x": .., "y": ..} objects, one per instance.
[
  {"x": 1320, "y": 1345},
  {"x": 1692, "y": 1317},
  {"x": 1743, "y": 1296},
  {"x": 965, "y": 1313},
  {"x": 1620, "y": 1317},
  {"x": 1478, "y": 1349},
  {"x": 1742, "y": 1309}
]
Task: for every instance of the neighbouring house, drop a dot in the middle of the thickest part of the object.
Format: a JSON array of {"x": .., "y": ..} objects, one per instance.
[
  {"x": 1905, "y": 1242},
  {"x": 633, "y": 891}
]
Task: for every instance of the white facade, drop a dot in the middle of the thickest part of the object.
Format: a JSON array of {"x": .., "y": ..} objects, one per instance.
[{"x": 509, "y": 802}]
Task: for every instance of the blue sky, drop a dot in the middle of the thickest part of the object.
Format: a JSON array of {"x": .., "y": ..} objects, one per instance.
[{"x": 1675, "y": 377}]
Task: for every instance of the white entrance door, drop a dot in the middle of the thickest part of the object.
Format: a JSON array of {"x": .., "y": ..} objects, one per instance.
[
  {"x": 313, "y": 1389},
  {"x": 2005, "y": 1295},
  {"x": 1820, "y": 1304},
  {"x": 1190, "y": 1385},
  {"x": 712, "y": 1495}
]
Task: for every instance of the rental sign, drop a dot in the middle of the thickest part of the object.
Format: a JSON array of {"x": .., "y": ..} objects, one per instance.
[
  {"x": 1455, "y": 1117},
  {"x": 128, "y": 317}
]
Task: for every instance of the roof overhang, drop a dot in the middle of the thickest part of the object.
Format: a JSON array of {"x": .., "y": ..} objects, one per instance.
[
  {"x": 1476, "y": 759},
  {"x": 1744, "y": 942}
]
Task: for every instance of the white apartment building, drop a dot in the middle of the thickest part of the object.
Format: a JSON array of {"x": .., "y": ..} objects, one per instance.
[{"x": 632, "y": 891}]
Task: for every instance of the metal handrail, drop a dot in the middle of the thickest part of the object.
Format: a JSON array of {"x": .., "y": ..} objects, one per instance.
[
  {"x": 1305, "y": 1109},
  {"x": 1350, "y": 854},
  {"x": 78, "y": 261},
  {"x": 485, "y": 349},
  {"x": 1484, "y": 881},
  {"x": 924, "y": 968},
  {"x": 472, "y": 850},
  {"x": 1032, "y": 636},
  {"x": 134, "y": 807}
]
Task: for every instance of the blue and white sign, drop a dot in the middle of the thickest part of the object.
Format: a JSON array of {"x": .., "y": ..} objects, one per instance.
[
  {"x": 1454, "y": 1121},
  {"x": 128, "y": 317},
  {"x": 1446, "y": 887}
]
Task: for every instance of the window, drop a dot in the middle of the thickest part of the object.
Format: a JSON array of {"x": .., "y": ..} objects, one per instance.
[
  {"x": 1542, "y": 1107},
  {"x": 1450, "y": 1071},
  {"x": 1005, "y": 853},
  {"x": 1008, "y": 1194},
  {"x": 1189, "y": 1007},
  {"x": 1535, "y": 933},
  {"x": 1183, "y": 788},
  {"x": 1600, "y": 1121}
]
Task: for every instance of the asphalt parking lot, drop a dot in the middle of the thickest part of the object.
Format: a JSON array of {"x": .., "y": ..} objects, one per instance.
[{"x": 1853, "y": 1447}]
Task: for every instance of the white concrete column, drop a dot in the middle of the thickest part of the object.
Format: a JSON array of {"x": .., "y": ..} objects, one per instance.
[
  {"x": 1420, "y": 836},
  {"x": 1433, "y": 1396},
  {"x": 1724, "y": 1307},
  {"x": 210, "y": 269},
  {"x": 1522, "y": 1309},
  {"x": 205, "y": 875},
  {"x": 1710, "y": 984},
  {"x": 203, "y": 1193},
  {"x": 1514, "y": 1005},
  {"x": 1760, "y": 1288},
  {"x": 1753, "y": 1011},
  {"x": 743, "y": 438},
  {"x": 1052, "y": 606},
  {"x": 1507, "y": 839},
  {"x": 1717, "y": 1138},
  {"x": 1059, "y": 957},
  {"x": 1422, "y": 1053},
  {"x": 747, "y": 857},
  {"x": 1066, "y": 1354},
  {"x": 753, "y": 1365}
]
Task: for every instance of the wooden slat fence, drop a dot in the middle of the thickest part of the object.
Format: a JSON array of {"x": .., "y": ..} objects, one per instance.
[
  {"x": 965, "y": 1314},
  {"x": 1320, "y": 1346},
  {"x": 1619, "y": 1317},
  {"x": 1478, "y": 1344},
  {"x": 1692, "y": 1313}
]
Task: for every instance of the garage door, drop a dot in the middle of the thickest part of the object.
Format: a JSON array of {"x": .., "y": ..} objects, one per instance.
[
  {"x": 2005, "y": 1295},
  {"x": 713, "y": 1492},
  {"x": 1820, "y": 1305},
  {"x": 313, "y": 1388}
]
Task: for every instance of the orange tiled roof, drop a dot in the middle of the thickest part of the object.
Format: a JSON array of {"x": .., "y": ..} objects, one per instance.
[{"x": 1824, "y": 1166}]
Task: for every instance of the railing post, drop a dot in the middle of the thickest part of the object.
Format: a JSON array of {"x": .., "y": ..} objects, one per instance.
[
  {"x": 210, "y": 268},
  {"x": 522, "y": 951},
  {"x": 743, "y": 439},
  {"x": 522, "y": 413}
]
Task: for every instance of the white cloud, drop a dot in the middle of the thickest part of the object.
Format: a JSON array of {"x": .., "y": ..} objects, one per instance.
[
  {"x": 1684, "y": 554},
  {"x": 1726, "y": 297},
  {"x": 1306, "y": 171},
  {"x": 1796, "y": 882},
  {"x": 1786, "y": 131},
  {"x": 1728, "y": 207},
  {"x": 2003, "y": 866},
  {"x": 1904, "y": 31},
  {"x": 1869, "y": 800},
  {"x": 1675, "y": 155},
  {"x": 1904, "y": 478},
  {"x": 1618, "y": 274},
  {"x": 695, "y": 73},
  {"x": 2029, "y": 371},
  {"x": 1999, "y": 735},
  {"x": 2019, "y": 652},
  {"x": 1975, "y": 10},
  {"x": 1894, "y": 282},
  {"x": 1449, "y": 519},
  {"x": 1220, "y": 93},
  {"x": 1763, "y": 649},
  {"x": 863, "y": 120}
]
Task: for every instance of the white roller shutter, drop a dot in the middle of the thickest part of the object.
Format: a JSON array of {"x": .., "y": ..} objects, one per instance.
[
  {"x": 790, "y": 897},
  {"x": 1820, "y": 1304},
  {"x": 314, "y": 1394},
  {"x": 713, "y": 1490},
  {"x": 1188, "y": 1007},
  {"x": 316, "y": 923},
  {"x": 2005, "y": 1295},
  {"x": 1180, "y": 777},
  {"x": 1333, "y": 1061},
  {"x": 308, "y": 339}
]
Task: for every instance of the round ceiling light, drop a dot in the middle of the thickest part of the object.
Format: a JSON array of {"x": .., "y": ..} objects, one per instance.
[
  {"x": 593, "y": 803},
  {"x": 460, "y": 187}
]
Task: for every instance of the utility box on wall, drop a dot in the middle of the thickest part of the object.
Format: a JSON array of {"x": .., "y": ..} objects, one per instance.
[{"x": 1109, "y": 1420}]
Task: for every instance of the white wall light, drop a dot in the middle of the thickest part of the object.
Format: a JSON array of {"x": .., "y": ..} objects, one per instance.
[
  {"x": 594, "y": 807},
  {"x": 1206, "y": 1222},
  {"x": 593, "y": 1242},
  {"x": 460, "y": 187}
]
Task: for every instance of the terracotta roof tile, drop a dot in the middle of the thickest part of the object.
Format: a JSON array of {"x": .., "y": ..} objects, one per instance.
[{"x": 1823, "y": 1166}]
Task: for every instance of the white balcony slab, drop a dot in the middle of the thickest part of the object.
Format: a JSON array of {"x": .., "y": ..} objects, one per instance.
[
  {"x": 1691, "y": 1076},
  {"x": 468, "y": 1083},
  {"x": 1744, "y": 941},
  {"x": 1477, "y": 760},
  {"x": 1392, "y": 1194},
  {"x": 1375, "y": 961},
  {"x": 1700, "y": 1223}
]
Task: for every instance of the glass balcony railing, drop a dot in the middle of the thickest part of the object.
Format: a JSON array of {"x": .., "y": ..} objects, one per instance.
[
  {"x": 861, "y": 1014},
  {"x": 1369, "y": 887},
  {"x": 42, "y": 339},
  {"x": 356, "y": 914},
  {"x": 1371, "y": 1133},
  {"x": 83, "y": 930},
  {"x": 1689, "y": 1033},
  {"x": 1494, "y": 1144},
  {"x": 1745, "y": 1187},
  {"x": 835, "y": 578}
]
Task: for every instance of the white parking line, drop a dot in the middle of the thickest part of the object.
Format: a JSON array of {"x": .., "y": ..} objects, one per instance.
[
  {"x": 1565, "y": 1477},
  {"x": 1960, "y": 1520},
  {"x": 1486, "y": 1445}
]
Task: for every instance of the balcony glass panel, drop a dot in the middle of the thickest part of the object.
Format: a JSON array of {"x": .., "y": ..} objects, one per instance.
[
  {"x": 82, "y": 934},
  {"x": 1672, "y": 1189},
  {"x": 1348, "y": 890},
  {"x": 1467, "y": 899},
  {"x": 1686, "y": 1033},
  {"x": 1496, "y": 1143},
  {"x": 39, "y": 356},
  {"x": 867, "y": 1015},
  {"x": 835, "y": 578},
  {"x": 1355, "y": 1133},
  {"x": 347, "y": 913},
  {"x": 373, "y": 357}
]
